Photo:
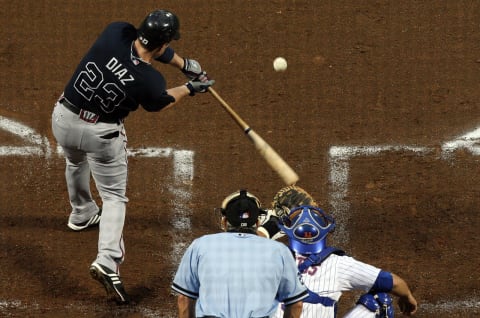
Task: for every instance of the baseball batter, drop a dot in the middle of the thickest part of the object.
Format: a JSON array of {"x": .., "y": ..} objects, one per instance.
[
  {"x": 327, "y": 271},
  {"x": 114, "y": 77}
]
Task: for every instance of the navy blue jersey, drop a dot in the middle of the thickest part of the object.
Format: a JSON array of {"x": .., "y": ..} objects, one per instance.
[{"x": 111, "y": 81}]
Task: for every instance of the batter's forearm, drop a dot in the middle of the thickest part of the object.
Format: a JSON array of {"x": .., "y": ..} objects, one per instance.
[
  {"x": 178, "y": 93},
  {"x": 177, "y": 61}
]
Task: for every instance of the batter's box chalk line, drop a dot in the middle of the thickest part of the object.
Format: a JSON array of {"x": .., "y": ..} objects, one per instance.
[
  {"x": 339, "y": 169},
  {"x": 339, "y": 157}
]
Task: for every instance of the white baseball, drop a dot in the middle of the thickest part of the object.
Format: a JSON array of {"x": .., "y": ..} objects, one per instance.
[{"x": 280, "y": 64}]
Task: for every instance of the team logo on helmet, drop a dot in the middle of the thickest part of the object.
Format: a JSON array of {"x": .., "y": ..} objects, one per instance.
[
  {"x": 306, "y": 231},
  {"x": 143, "y": 40}
]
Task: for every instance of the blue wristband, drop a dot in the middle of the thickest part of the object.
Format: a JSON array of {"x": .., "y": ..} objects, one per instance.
[{"x": 167, "y": 56}]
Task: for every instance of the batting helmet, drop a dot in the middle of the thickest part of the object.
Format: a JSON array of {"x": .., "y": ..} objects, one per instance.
[
  {"x": 307, "y": 228},
  {"x": 158, "y": 28}
]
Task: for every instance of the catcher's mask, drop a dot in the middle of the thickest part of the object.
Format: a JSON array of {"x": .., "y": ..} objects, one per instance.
[
  {"x": 307, "y": 228},
  {"x": 158, "y": 27},
  {"x": 241, "y": 209}
]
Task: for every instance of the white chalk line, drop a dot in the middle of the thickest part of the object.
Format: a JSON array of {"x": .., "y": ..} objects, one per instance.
[
  {"x": 339, "y": 157},
  {"x": 20, "y": 130},
  {"x": 455, "y": 306},
  {"x": 451, "y": 306},
  {"x": 469, "y": 141},
  {"x": 339, "y": 170},
  {"x": 339, "y": 165},
  {"x": 183, "y": 172},
  {"x": 42, "y": 146}
]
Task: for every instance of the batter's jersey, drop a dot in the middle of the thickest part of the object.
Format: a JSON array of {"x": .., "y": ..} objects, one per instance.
[
  {"x": 335, "y": 275},
  {"x": 238, "y": 275},
  {"x": 112, "y": 81}
]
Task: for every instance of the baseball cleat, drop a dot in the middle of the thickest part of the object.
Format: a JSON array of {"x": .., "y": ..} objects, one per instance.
[
  {"x": 93, "y": 221},
  {"x": 111, "y": 281}
]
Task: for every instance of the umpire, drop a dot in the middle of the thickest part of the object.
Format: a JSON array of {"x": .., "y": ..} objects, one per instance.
[{"x": 237, "y": 274}]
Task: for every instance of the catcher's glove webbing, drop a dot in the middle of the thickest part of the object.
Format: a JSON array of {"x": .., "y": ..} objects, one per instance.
[{"x": 291, "y": 197}]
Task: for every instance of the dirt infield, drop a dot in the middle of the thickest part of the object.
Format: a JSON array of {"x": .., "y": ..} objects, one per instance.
[{"x": 373, "y": 113}]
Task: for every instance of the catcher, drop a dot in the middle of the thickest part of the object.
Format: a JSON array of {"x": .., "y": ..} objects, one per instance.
[{"x": 328, "y": 271}]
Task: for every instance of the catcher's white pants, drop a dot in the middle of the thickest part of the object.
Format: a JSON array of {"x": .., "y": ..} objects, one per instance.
[
  {"x": 359, "y": 311},
  {"x": 106, "y": 159}
]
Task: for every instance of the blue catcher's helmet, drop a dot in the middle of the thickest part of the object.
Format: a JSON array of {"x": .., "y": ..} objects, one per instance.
[{"x": 307, "y": 228}]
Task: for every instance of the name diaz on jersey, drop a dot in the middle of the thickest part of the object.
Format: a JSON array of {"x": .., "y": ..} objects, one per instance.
[{"x": 119, "y": 71}]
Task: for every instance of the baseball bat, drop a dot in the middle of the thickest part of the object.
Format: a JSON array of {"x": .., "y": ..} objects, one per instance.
[{"x": 268, "y": 153}]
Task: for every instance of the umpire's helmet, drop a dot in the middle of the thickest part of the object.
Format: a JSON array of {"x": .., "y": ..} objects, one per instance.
[
  {"x": 307, "y": 228},
  {"x": 241, "y": 209},
  {"x": 158, "y": 28}
]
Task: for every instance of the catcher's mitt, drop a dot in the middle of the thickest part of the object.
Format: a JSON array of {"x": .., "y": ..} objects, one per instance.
[{"x": 291, "y": 197}]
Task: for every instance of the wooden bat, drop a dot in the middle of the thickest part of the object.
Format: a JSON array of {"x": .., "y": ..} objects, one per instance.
[{"x": 268, "y": 153}]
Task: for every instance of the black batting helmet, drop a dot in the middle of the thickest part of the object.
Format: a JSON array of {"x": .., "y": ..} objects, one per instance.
[{"x": 158, "y": 28}]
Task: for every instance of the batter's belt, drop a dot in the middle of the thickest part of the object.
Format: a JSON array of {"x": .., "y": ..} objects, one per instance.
[{"x": 86, "y": 115}]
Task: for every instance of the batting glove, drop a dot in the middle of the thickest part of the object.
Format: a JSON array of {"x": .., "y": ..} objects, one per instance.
[
  {"x": 200, "y": 84},
  {"x": 191, "y": 69}
]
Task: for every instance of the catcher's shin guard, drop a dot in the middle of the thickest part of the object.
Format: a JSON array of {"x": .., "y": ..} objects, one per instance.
[{"x": 379, "y": 303}]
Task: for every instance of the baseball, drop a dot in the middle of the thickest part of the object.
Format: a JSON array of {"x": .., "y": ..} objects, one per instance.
[{"x": 280, "y": 64}]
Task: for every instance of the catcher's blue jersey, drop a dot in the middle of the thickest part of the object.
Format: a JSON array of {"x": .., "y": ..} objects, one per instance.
[{"x": 238, "y": 275}]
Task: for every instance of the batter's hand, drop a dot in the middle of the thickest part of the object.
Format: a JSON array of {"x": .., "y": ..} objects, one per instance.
[
  {"x": 191, "y": 68},
  {"x": 200, "y": 84}
]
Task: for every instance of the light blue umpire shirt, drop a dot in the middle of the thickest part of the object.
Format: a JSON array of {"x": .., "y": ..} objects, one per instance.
[{"x": 238, "y": 275}]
